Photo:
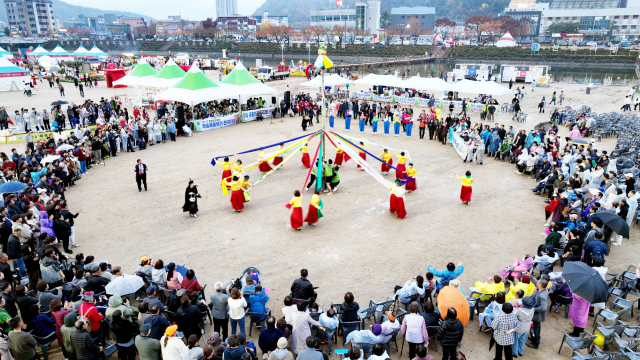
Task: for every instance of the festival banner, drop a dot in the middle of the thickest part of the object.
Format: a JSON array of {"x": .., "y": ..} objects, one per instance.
[
  {"x": 253, "y": 114},
  {"x": 405, "y": 100},
  {"x": 423, "y": 102},
  {"x": 458, "y": 143},
  {"x": 382, "y": 98},
  {"x": 362, "y": 95},
  {"x": 216, "y": 123}
]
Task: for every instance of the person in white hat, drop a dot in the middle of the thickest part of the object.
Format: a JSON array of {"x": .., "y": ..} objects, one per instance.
[
  {"x": 630, "y": 182},
  {"x": 281, "y": 353}
]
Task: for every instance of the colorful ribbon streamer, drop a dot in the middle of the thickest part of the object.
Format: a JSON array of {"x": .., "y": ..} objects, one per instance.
[{"x": 213, "y": 161}]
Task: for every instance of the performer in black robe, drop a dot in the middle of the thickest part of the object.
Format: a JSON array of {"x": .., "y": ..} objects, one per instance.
[{"x": 191, "y": 199}]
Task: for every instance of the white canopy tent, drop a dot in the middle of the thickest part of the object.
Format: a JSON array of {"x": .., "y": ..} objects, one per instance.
[
  {"x": 384, "y": 80},
  {"x": 506, "y": 41},
  {"x": 170, "y": 74},
  {"x": 479, "y": 87},
  {"x": 12, "y": 77},
  {"x": 136, "y": 77},
  {"x": 5, "y": 54},
  {"x": 330, "y": 80},
  {"x": 420, "y": 83}
]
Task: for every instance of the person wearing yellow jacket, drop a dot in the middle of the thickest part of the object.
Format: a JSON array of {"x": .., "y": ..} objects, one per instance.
[
  {"x": 314, "y": 209},
  {"x": 386, "y": 156},
  {"x": 237, "y": 167},
  {"x": 237, "y": 194},
  {"x": 401, "y": 167},
  {"x": 411, "y": 173},
  {"x": 296, "y": 211},
  {"x": 465, "y": 191},
  {"x": 226, "y": 169},
  {"x": 525, "y": 285},
  {"x": 493, "y": 286},
  {"x": 306, "y": 161}
]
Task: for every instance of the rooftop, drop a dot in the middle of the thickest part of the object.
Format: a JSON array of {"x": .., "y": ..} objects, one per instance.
[{"x": 418, "y": 10}]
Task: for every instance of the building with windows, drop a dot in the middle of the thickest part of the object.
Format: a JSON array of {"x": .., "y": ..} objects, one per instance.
[
  {"x": 597, "y": 18},
  {"x": 134, "y": 22},
  {"x": 226, "y": 7},
  {"x": 274, "y": 20},
  {"x": 237, "y": 24},
  {"x": 365, "y": 16},
  {"x": 421, "y": 17},
  {"x": 110, "y": 18},
  {"x": 33, "y": 17}
]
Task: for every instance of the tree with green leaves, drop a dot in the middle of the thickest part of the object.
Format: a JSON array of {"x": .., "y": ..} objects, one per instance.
[
  {"x": 567, "y": 27},
  {"x": 385, "y": 19},
  {"x": 7, "y": 32}
]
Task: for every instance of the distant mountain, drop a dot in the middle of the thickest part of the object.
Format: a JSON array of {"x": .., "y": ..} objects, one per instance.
[
  {"x": 454, "y": 9},
  {"x": 64, "y": 11}
]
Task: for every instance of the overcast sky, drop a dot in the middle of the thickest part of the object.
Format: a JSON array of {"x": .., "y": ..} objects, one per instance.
[{"x": 196, "y": 9}]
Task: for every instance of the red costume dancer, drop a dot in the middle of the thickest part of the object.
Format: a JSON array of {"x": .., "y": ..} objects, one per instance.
[
  {"x": 305, "y": 157},
  {"x": 411, "y": 173},
  {"x": 362, "y": 154},
  {"x": 386, "y": 156},
  {"x": 278, "y": 159},
  {"x": 226, "y": 169},
  {"x": 314, "y": 207},
  {"x": 401, "y": 166},
  {"x": 296, "y": 213},
  {"x": 237, "y": 195},
  {"x": 396, "y": 200},
  {"x": 339, "y": 157},
  {"x": 465, "y": 191},
  {"x": 264, "y": 165}
]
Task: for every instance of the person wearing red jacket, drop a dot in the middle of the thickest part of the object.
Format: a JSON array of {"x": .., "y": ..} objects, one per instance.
[
  {"x": 89, "y": 310},
  {"x": 82, "y": 158}
]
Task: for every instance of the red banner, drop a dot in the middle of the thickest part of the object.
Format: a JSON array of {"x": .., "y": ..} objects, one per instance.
[{"x": 12, "y": 74}]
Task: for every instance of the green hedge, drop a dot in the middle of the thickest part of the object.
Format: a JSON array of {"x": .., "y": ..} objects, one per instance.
[
  {"x": 524, "y": 53},
  {"x": 364, "y": 50}
]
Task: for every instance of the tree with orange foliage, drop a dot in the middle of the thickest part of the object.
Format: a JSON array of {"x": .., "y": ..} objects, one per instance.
[
  {"x": 444, "y": 22},
  {"x": 305, "y": 32},
  {"x": 340, "y": 32},
  {"x": 492, "y": 28},
  {"x": 475, "y": 22}
]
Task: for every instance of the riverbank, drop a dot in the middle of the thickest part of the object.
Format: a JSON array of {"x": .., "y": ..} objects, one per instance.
[{"x": 563, "y": 56}]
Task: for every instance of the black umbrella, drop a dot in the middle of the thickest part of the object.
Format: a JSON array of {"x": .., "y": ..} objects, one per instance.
[
  {"x": 585, "y": 282},
  {"x": 615, "y": 222},
  {"x": 58, "y": 103}
]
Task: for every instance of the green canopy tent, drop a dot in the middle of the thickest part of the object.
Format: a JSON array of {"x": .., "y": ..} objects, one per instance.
[
  {"x": 246, "y": 85},
  {"x": 137, "y": 75},
  {"x": 195, "y": 88},
  {"x": 168, "y": 76}
]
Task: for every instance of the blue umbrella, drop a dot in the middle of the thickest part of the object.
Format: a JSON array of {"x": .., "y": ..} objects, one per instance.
[
  {"x": 182, "y": 270},
  {"x": 11, "y": 187}
]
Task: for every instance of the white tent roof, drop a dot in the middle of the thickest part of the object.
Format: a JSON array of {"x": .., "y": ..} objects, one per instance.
[
  {"x": 198, "y": 96},
  {"x": 39, "y": 51},
  {"x": 330, "y": 80},
  {"x": 59, "y": 51},
  {"x": 81, "y": 51},
  {"x": 480, "y": 87},
  {"x": 247, "y": 91},
  {"x": 385, "y": 80},
  {"x": 133, "y": 80},
  {"x": 421, "y": 83},
  {"x": 506, "y": 41},
  {"x": 5, "y": 53}
]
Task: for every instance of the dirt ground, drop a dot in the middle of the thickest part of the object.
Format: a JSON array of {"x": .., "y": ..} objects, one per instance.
[{"x": 358, "y": 246}]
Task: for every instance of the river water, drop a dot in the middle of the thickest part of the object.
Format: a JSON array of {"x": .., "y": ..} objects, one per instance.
[{"x": 561, "y": 74}]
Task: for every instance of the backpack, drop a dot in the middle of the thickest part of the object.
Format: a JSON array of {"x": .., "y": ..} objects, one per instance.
[{"x": 83, "y": 317}]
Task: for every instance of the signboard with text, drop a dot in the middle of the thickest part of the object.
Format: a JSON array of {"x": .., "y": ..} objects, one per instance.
[
  {"x": 215, "y": 123},
  {"x": 253, "y": 114}
]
